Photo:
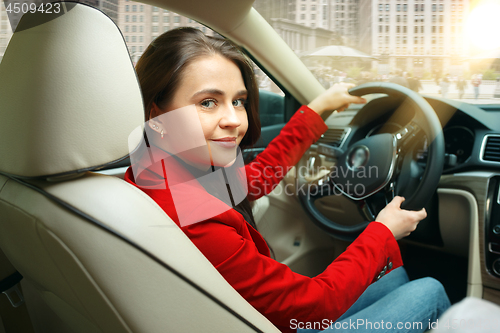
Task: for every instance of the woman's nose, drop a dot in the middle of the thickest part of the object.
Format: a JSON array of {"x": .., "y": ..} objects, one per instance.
[{"x": 229, "y": 117}]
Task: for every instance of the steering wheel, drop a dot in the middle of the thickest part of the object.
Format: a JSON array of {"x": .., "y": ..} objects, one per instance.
[{"x": 382, "y": 164}]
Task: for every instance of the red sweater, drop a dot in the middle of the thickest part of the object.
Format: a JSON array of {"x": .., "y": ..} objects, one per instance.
[{"x": 242, "y": 256}]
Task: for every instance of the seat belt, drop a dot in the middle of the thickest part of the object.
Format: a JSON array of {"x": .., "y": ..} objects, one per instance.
[
  {"x": 15, "y": 317},
  {"x": 8, "y": 287}
]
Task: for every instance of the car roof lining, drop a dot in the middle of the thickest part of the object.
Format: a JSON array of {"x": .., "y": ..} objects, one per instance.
[{"x": 210, "y": 12}]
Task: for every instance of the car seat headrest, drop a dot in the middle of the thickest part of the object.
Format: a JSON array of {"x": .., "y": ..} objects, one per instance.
[{"x": 69, "y": 95}]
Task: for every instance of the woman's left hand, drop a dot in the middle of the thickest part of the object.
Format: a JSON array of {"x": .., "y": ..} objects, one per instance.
[{"x": 336, "y": 97}]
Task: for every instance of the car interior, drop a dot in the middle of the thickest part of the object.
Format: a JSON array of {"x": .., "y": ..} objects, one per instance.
[{"x": 81, "y": 250}]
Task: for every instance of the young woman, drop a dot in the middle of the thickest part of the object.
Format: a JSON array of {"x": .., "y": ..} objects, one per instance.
[{"x": 201, "y": 89}]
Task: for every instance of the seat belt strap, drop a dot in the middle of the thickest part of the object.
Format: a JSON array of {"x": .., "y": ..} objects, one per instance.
[{"x": 8, "y": 286}]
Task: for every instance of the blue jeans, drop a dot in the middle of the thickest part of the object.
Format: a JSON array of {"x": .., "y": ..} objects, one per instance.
[{"x": 393, "y": 304}]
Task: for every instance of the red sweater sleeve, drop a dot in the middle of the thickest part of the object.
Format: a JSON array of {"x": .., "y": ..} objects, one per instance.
[
  {"x": 282, "y": 295},
  {"x": 285, "y": 151}
]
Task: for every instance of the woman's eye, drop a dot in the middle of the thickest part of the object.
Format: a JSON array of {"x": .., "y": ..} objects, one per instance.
[
  {"x": 208, "y": 103},
  {"x": 239, "y": 102}
]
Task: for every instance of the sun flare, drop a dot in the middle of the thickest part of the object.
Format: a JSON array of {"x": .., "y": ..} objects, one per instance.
[{"x": 483, "y": 26}]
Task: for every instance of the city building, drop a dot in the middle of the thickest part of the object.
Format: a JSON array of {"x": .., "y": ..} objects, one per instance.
[
  {"x": 424, "y": 37},
  {"x": 302, "y": 38},
  {"x": 312, "y": 13},
  {"x": 141, "y": 24},
  {"x": 344, "y": 19},
  {"x": 5, "y": 30},
  {"x": 276, "y": 9},
  {"x": 303, "y": 24},
  {"x": 108, "y": 7},
  {"x": 419, "y": 36}
]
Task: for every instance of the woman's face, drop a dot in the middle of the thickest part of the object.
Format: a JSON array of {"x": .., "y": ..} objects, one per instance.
[{"x": 213, "y": 88}]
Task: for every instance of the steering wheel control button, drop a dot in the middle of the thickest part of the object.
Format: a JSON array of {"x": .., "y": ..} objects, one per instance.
[
  {"x": 496, "y": 229},
  {"x": 450, "y": 160},
  {"x": 496, "y": 266},
  {"x": 494, "y": 248},
  {"x": 329, "y": 151},
  {"x": 403, "y": 132}
]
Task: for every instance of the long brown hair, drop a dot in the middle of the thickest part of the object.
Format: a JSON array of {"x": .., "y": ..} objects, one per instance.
[{"x": 161, "y": 67}]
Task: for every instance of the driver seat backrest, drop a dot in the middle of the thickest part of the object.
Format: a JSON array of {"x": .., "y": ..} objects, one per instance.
[{"x": 112, "y": 261}]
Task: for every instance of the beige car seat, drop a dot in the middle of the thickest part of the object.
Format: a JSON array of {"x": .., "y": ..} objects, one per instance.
[{"x": 96, "y": 253}]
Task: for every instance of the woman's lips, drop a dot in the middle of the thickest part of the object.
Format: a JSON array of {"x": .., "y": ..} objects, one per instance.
[{"x": 225, "y": 142}]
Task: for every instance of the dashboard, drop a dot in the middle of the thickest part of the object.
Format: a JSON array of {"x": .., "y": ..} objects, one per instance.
[
  {"x": 472, "y": 134},
  {"x": 459, "y": 143}
]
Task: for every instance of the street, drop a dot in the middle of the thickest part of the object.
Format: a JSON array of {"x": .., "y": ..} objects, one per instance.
[{"x": 486, "y": 92}]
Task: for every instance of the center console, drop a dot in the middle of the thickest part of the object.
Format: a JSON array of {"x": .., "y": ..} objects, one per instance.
[{"x": 492, "y": 227}]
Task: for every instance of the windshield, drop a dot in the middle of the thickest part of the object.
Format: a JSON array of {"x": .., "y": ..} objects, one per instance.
[{"x": 442, "y": 48}]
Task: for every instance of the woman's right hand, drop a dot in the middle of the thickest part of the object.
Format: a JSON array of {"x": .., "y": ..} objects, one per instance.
[
  {"x": 337, "y": 97},
  {"x": 400, "y": 222}
]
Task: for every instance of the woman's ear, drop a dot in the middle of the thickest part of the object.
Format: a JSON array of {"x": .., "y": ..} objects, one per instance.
[
  {"x": 155, "y": 121},
  {"x": 155, "y": 112}
]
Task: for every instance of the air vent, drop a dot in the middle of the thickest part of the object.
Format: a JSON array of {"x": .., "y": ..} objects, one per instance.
[
  {"x": 491, "y": 148},
  {"x": 334, "y": 136}
]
